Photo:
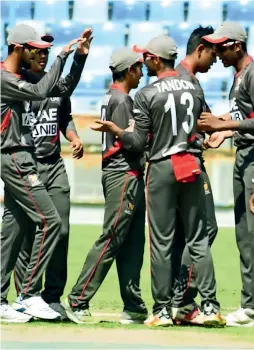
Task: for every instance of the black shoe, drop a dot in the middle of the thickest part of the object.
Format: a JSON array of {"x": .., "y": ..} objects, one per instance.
[{"x": 58, "y": 308}]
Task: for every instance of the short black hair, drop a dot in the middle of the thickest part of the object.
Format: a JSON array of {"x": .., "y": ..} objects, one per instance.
[
  {"x": 119, "y": 76},
  {"x": 244, "y": 46},
  {"x": 10, "y": 49},
  {"x": 168, "y": 63},
  {"x": 195, "y": 39}
]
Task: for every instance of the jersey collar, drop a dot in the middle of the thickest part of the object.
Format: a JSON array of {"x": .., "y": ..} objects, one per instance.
[
  {"x": 248, "y": 61},
  {"x": 168, "y": 73},
  {"x": 187, "y": 67},
  {"x": 118, "y": 87}
]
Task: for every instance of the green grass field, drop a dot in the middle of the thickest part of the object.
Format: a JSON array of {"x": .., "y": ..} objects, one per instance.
[
  {"x": 226, "y": 259},
  {"x": 107, "y": 299}
]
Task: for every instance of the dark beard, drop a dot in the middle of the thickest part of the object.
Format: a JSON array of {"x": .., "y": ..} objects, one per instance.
[{"x": 25, "y": 65}]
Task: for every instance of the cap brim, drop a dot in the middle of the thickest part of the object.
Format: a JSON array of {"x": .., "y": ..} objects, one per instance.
[
  {"x": 139, "y": 49},
  {"x": 48, "y": 38},
  {"x": 39, "y": 44},
  {"x": 215, "y": 39}
]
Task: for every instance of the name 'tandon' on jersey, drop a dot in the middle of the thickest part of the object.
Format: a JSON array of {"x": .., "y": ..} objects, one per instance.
[{"x": 168, "y": 109}]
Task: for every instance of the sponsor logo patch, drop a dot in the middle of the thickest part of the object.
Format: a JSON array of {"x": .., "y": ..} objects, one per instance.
[
  {"x": 206, "y": 188},
  {"x": 46, "y": 129},
  {"x": 34, "y": 180},
  {"x": 130, "y": 208}
]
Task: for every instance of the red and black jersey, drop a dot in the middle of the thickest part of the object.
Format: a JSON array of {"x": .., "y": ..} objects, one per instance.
[
  {"x": 183, "y": 69},
  {"x": 117, "y": 106},
  {"x": 168, "y": 109},
  {"x": 16, "y": 94},
  {"x": 242, "y": 102},
  {"x": 50, "y": 117}
]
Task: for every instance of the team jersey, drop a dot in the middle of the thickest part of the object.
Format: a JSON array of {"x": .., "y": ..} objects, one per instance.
[
  {"x": 117, "y": 106},
  {"x": 168, "y": 109},
  {"x": 196, "y": 145},
  {"x": 16, "y": 95},
  {"x": 50, "y": 116},
  {"x": 242, "y": 102}
]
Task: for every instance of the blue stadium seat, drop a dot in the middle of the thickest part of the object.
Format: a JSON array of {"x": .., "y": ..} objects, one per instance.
[
  {"x": 106, "y": 34},
  {"x": 98, "y": 59},
  {"x": 130, "y": 11},
  {"x": 22, "y": 9},
  {"x": 90, "y": 11},
  {"x": 167, "y": 11},
  {"x": 205, "y": 12},
  {"x": 179, "y": 33},
  {"x": 141, "y": 33},
  {"x": 63, "y": 32},
  {"x": 5, "y": 10},
  {"x": 95, "y": 87},
  {"x": 215, "y": 88},
  {"x": 239, "y": 12},
  {"x": 51, "y": 11}
]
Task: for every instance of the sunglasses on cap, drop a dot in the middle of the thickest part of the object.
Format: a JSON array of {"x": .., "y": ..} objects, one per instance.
[
  {"x": 35, "y": 51},
  {"x": 225, "y": 46}
]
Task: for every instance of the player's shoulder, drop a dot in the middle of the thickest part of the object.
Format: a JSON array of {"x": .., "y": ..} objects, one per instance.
[{"x": 119, "y": 96}]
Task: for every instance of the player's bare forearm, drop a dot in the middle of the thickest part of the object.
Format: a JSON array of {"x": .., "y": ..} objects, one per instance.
[{"x": 71, "y": 135}]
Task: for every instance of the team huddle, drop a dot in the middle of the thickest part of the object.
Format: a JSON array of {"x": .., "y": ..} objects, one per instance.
[{"x": 167, "y": 126}]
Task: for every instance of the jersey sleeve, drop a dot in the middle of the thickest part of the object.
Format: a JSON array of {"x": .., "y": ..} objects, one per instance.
[
  {"x": 250, "y": 86},
  {"x": 66, "y": 122},
  {"x": 67, "y": 85},
  {"x": 137, "y": 140},
  {"x": 15, "y": 89},
  {"x": 122, "y": 114}
]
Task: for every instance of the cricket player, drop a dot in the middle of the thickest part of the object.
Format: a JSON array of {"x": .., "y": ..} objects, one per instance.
[
  {"x": 200, "y": 56},
  {"x": 123, "y": 235},
  {"x": 168, "y": 109},
  {"x": 53, "y": 116},
  {"x": 230, "y": 40},
  {"x": 23, "y": 187}
]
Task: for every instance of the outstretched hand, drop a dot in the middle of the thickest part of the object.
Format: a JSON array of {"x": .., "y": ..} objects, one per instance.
[
  {"x": 214, "y": 141},
  {"x": 103, "y": 126},
  {"x": 84, "y": 44}
]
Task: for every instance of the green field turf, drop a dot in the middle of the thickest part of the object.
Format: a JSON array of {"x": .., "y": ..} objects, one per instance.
[
  {"x": 107, "y": 299},
  {"x": 226, "y": 259}
]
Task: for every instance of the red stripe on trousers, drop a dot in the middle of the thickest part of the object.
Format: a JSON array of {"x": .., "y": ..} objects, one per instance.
[
  {"x": 189, "y": 280},
  {"x": 44, "y": 225},
  {"x": 15, "y": 281},
  {"x": 6, "y": 120},
  {"x": 107, "y": 243},
  {"x": 147, "y": 214}
]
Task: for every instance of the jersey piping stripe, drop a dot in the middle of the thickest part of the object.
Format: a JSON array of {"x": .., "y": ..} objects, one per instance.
[
  {"x": 148, "y": 218},
  {"x": 113, "y": 150},
  {"x": 189, "y": 280},
  {"x": 248, "y": 61},
  {"x": 16, "y": 280},
  {"x": 107, "y": 242},
  {"x": 6, "y": 121},
  {"x": 45, "y": 226},
  {"x": 54, "y": 140}
]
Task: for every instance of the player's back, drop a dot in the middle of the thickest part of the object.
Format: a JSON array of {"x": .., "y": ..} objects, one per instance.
[{"x": 173, "y": 104}]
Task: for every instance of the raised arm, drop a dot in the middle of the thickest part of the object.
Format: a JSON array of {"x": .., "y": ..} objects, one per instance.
[{"x": 67, "y": 85}]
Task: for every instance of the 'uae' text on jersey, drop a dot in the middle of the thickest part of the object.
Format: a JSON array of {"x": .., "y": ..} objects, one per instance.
[{"x": 242, "y": 102}]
